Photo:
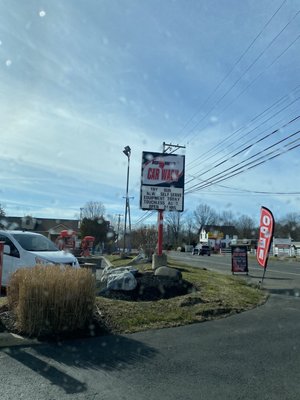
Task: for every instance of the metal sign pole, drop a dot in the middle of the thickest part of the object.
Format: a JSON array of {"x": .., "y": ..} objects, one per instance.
[
  {"x": 262, "y": 281},
  {"x": 160, "y": 232}
]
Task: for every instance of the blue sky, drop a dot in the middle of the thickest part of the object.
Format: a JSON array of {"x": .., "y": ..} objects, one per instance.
[{"x": 79, "y": 80}]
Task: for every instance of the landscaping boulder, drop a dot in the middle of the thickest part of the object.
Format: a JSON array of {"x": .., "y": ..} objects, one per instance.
[
  {"x": 168, "y": 272},
  {"x": 121, "y": 278},
  {"x": 121, "y": 281}
]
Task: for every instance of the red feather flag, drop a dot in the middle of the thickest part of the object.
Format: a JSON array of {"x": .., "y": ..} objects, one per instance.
[{"x": 266, "y": 230}]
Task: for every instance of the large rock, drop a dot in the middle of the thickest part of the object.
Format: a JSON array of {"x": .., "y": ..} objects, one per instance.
[
  {"x": 121, "y": 281},
  {"x": 122, "y": 278},
  {"x": 150, "y": 288},
  {"x": 168, "y": 272}
]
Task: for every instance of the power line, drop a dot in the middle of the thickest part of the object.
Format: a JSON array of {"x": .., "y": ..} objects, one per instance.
[
  {"x": 257, "y": 77},
  {"x": 249, "y": 147},
  {"x": 240, "y": 191},
  {"x": 231, "y": 70},
  {"x": 297, "y": 38},
  {"x": 221, "y": 176},
  {"x": 248, "y": 124},
  {"x": 147, "y": 215},
  {"x": 245, "y": 72},
  {"x": 247, "y": 159}
]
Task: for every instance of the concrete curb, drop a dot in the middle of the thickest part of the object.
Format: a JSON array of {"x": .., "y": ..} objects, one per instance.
[{"x": 11, "y": 339}]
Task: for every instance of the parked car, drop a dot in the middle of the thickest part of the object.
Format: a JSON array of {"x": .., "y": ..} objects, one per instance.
[
  {"x": 26, "y": 249},
  {"x": 204, "y": 250},
  {"x": 195, "y": 251}
]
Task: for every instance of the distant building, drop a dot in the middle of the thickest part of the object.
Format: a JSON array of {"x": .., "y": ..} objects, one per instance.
[
  {"x": 218, "y": 236},
  {"x": 282, "y": 247},
  {"x": 48, "y": 227}
]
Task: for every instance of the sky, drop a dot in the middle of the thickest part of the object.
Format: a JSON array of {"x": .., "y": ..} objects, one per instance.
[{"x": 80, "y": 80}]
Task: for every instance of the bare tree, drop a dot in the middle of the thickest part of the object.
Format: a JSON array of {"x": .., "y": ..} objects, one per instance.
[
  {"x": 190, "y": 229},
  {"x": 205, "y": 215},
  {"x": 173, "y": 221},
  {"x": 226, "y": 218},
  {"x": 246, "y": 227},
  {"x": 145, "y": 238},
  {"x": 92, "y": 210},
  {"x": 288, "y": 226}
]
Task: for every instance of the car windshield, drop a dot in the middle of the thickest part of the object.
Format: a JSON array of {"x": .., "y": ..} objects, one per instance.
[
  {"x": 154, "y": 147},
  {"x": 35, "y": 242}
]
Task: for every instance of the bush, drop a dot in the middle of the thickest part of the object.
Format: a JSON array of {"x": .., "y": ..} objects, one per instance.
[{"x": 51, "y": 300}]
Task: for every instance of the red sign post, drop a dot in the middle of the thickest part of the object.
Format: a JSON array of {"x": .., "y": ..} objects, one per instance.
[
  {"x": 1, "y": 263},
  {"x": 266, "y": 230},
  {"x": 162, "y": 186}
]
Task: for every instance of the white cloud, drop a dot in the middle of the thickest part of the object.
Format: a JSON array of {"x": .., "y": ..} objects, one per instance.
[{"x": 80, "y": 83}]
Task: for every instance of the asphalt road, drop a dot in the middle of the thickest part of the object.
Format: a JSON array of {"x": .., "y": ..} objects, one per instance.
[
  {"x": 253, "y": 355},
  {"x": 282, "y": 275}
]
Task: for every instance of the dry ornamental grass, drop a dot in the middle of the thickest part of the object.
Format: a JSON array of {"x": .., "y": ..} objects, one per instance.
[{"x": 51, "y": 300}]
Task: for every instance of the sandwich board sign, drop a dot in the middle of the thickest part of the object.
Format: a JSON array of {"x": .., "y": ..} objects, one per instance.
[{"x": 239, "y": 259}]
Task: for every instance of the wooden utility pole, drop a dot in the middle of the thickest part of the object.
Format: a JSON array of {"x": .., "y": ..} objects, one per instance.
[{"x": 160, "y": 219}]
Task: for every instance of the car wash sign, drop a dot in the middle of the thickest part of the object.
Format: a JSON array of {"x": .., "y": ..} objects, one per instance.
[{"x": 162, "y": 182}]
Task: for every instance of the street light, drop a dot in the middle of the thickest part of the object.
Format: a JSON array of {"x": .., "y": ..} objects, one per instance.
[{"x": 127, "y": 152}]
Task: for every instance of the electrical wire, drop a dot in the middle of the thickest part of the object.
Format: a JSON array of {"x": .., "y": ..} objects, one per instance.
[
  {"x": 240, "y": 191},
  {"x": 242, "y": 169},
  {"x": 229, "y": 173},
  {"x": 248, "y": 124},
  {"x": 248, "y": 147},
  {"x": 246, "y": 88},
  {"x": 231, "y": 70},
  {"x": 245, "y": 72},
  {"x": 143, "y": 218}
]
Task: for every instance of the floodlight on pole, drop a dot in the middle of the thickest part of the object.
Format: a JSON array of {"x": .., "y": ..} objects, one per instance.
[{"x": 127, "y": 152}]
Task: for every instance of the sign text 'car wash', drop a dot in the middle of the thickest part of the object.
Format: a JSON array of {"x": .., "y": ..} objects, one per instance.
[{"x": 162, "y": 182}]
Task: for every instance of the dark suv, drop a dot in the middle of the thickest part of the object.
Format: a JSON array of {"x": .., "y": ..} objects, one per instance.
[{"x": 204, "y": 250}]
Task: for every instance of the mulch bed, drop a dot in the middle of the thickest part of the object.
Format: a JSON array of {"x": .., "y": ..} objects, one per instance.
[{"x": 151, "y": 288}]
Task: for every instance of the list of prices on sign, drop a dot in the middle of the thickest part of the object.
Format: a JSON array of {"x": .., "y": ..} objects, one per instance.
[{"x": 162, "y": 198}]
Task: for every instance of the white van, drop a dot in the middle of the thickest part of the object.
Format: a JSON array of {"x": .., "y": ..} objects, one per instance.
[{"x": 26, "y": 249}]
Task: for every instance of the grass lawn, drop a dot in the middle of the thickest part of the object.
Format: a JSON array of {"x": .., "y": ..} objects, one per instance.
[{"x": 216, "y": 295}]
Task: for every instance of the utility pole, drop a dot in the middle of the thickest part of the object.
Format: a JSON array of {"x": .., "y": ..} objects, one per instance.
[
  {"x": 169, "y": 146},
  {"x": 160, "y": 219}
]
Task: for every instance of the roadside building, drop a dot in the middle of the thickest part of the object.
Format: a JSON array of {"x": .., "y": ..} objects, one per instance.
[
  {"x": 51, "y": 228},
  {"x": 282, "y": 247},
  {"x": 218, "y": 236}
]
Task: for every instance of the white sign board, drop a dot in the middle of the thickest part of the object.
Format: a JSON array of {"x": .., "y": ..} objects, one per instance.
[{"x": 160, "y": 198}]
